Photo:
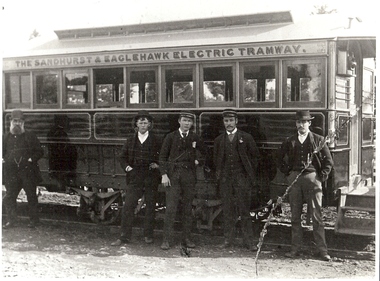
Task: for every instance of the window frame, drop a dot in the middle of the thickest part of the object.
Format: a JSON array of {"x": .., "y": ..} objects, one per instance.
[
  {"x": 12, "y": 105},
  {"x": 304, "y": 104},
  {"x": 128, "y": 86},
  {"x": 263, "y": 104},
  {"x": 58, "y": 73},
  {"x": 163, "y": 86},
  {"x": 203, "y": 103},
  {"x": 89, "y": 92}
]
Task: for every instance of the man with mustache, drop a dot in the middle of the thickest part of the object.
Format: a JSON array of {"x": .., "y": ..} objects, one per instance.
[
  {"x": 294, "y": 159},
  {"x": 236, "y": 160},
  {"x": 21, "y": 152}
]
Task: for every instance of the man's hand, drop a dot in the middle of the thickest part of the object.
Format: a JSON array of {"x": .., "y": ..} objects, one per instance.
[
  {"x": 153, "y": 166},
  {"x": 128, "y": 169},
  {"x": 165, "y": 180}
]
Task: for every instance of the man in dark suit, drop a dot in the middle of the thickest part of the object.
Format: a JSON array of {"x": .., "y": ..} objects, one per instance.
[
  {"x": 21, "y": 152},
  {"x": 178, "y": 161},
  {"x": 236, "y": 159},
  {"x": 294, "y": 159},
  {"x": 139, "y": 160}
]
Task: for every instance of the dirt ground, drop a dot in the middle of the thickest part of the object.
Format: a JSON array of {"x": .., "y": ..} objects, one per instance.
[{"x": 76, "y": 251}]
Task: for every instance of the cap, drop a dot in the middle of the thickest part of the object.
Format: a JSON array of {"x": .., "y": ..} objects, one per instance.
[
  {"x": 303, "y": 115},
  {"x": 229, "y": 113},
  {"x": 186, "y": 114},
  {"x": 17, "y": 114}
]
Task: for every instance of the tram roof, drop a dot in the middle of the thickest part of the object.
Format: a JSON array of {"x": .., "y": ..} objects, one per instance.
[{"x": 253, "y": 28}]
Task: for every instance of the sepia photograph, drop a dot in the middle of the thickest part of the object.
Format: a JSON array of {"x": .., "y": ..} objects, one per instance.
[{"x": 180, "y": 139}]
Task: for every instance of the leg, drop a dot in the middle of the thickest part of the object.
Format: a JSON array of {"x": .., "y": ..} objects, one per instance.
[
  {"x": 13, "y": 188},
  {"x": 243, "y": 191},
  {"x": 133, "y": 193},
  {"x": 188, "y": 187},
  {"x": 229, "y": 216},
  {"x": 296, "y": 204},
  {"x": 315, "y": 199},
  {"x": 172, "y": 199},
  {"x": 31, "y": 193},
  {"x": 150, "y": 201}
]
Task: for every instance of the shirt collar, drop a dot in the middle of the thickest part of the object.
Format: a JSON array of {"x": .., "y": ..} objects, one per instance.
[
  {"x": 303, "y": 135},
  {"x": 181, "y": 132},
  {"x": 233, "y": 132},
  {"x": 143, "y": 135}
]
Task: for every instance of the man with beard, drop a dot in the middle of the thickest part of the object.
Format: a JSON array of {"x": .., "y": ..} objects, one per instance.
[
  {"x": 296, "y": 158},
  {"x": 21, "y": 152},
  {"x": 236, "y": 160}
]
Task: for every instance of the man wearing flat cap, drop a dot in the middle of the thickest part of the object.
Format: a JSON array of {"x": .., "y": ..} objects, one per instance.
[
  {"x": 139, "y": 159},
  {"x": 181, "y": 151},
  {"x": 296, "y": 158},
  {"x": 236, "y": 160},
  {"x": 21, "y": 152}
]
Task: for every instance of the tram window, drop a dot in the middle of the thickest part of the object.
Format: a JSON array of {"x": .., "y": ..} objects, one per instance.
[
  {"x": 342, "y": 92},
  {"x": 259, "y": 84},
  {"x": 304, "y": 83},
  {"x": 367, "y": 131},
  {"x": 17, "y": 89},
  {"x": 342, "y": 136},
  {"x": 368, "y": 95},
  {"x": 46, "y": 89},
  {"x": 142, "y": 87},
  {"x": 179, "y": 87},
  {"x": 218, "y": 86},
  {"x": 76, "y": 88},
  {"x": 109, "y": 90}
]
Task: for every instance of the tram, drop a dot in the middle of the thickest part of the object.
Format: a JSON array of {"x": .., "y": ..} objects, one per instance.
[{"x": 80, "y": 91}]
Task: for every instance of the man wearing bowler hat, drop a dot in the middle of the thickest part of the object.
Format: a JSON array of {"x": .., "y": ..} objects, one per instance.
[
  {"x": 139, "y": 159},
  {"x": 236, "y": 160},
  {"x": 295, "y": 157},
  {"x": 181, "y": 152},
  {"x": 21, "y": 152}
]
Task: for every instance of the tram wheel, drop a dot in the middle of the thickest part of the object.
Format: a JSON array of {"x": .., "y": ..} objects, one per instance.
[{"x": 110, "y": 215}]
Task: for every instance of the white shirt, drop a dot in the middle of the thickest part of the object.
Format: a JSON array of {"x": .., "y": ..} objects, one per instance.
[
  {"x": 143, "y": 137},
  {"x": 303, "y": 137},
  {"x": 180, "y": 131},
  {"x": 233, "y": 132}
]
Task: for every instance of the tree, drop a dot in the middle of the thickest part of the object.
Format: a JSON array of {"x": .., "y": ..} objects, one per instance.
[
  {"x": 34, "y": 34},
  {"x": 323, "y": 9}
]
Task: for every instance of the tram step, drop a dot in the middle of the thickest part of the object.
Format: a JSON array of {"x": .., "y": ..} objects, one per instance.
[
  {"x": 358, "y": 225},
  {"x": 363, "y": 196}
]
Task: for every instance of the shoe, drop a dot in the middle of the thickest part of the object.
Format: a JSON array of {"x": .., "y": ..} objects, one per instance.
[
  {"x": 148, "y": 240},
  {"x": 9, "y": 225},
  {"x": 188, "y": 243},
  {"x": 292, "y": 254},
  {"x": 165, "y": 245},
  {"x": 325, "y": 257},
  {"x": 120, "y": 242}
]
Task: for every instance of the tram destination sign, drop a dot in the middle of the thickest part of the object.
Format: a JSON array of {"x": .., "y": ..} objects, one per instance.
[{"x": 167, "y": 55}]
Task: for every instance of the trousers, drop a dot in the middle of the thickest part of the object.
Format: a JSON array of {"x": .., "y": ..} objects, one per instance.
[
  {"x": 236, "y": 197},
  {"x": 182, "y": 184},
  {"x": 307, "y": 188},
  {"x": 142, "y": 183},
  {"x": 14, "y": 184}
]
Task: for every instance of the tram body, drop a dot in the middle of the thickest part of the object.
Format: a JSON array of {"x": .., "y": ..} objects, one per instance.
[{"x": 80, "y": 92}]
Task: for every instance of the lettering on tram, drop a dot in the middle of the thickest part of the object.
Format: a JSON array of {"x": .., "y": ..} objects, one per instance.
[{"x": 81, "y": 103}]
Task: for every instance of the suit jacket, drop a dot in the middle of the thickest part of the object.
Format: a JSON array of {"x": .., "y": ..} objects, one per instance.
[
  {"x": 322, "y": 161},
  {"x": 247, "y": 149},
  {"x": 170, "y": 152},
  {"x": 126, "y": 155},
  {"x": 29, "y": 170}
]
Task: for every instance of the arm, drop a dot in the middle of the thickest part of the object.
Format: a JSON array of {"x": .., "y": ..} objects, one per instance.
[
  {"x": 163, "y": 160},
  {"x": 35, "y": 148},
  {"x": 123, "y": 156},
  {"x": 281, "y": 163}
]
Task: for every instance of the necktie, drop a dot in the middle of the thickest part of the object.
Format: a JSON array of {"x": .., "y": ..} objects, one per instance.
[
  {"x": 231, "y": 136},
  {"x": 184, "y": 135}
]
